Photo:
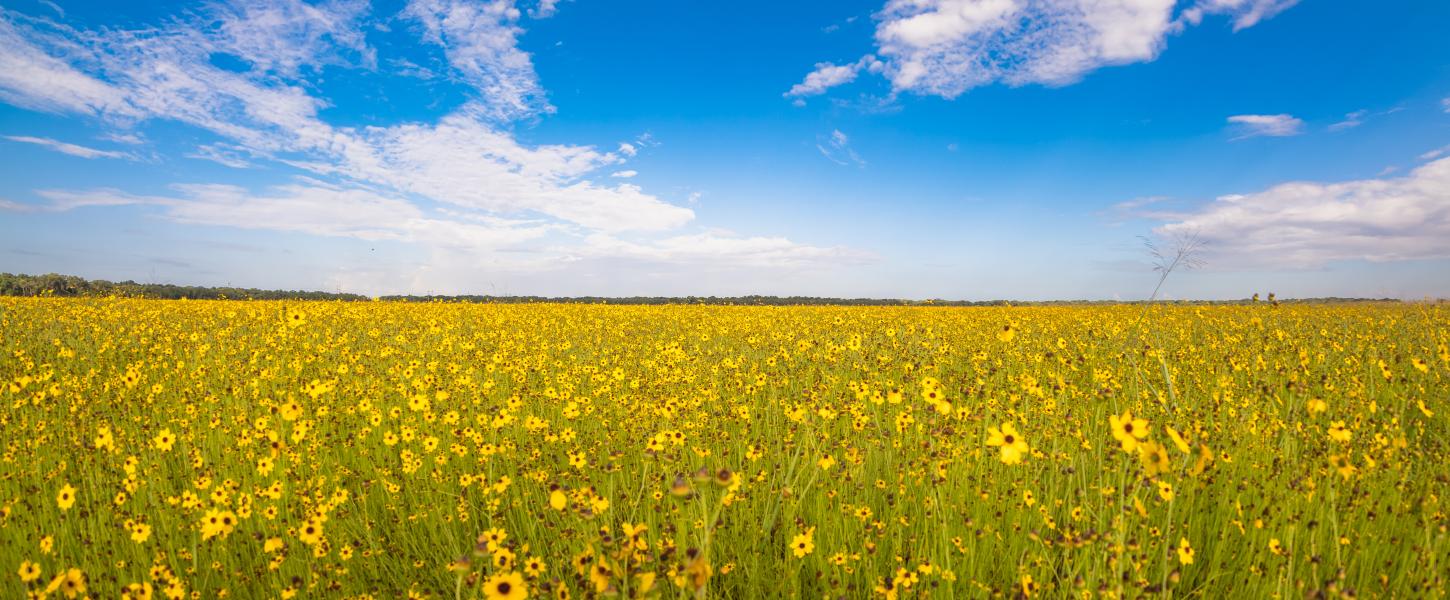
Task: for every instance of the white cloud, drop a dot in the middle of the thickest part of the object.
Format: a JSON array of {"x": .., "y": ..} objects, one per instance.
[
  {"x": 1280, "y": 125},
  {"x": 1304, "y": 224},
  {"x": 1445, "y": 103},
  {"x": 827, "y": 76},
  {"x": 625, "y": 174},
  {"x": 71, "y": 149},
  {"x": 628, "y": 149},
  {"x": 946, "y": 47},
  {"x": 480, "y": 40},
  {"x": 1436, "y": 153}
]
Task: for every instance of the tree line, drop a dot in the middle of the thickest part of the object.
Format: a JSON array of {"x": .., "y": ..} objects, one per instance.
[
  {"x": 55, "y": 285},
  {"x": 52, "y": 284}
]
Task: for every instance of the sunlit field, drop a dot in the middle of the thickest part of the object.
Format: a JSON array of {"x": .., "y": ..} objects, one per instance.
[{"x": 205, "y": 449}]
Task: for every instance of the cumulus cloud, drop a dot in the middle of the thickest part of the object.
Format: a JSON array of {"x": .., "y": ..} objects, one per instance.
[
  {"x": 71, "y": 149},
  {"x": 1280, "y": 125},
  {"x": 1305, "y": 224},
  {"x": 946, "y": 47}
]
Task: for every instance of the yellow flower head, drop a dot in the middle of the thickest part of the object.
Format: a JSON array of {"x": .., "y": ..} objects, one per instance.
[
  {"x": 1185, "y": 552},
  {"x": 1012, "y": 448},
  {"x": 804, "y": 543},
  {"x": 66, "y": 497},
  {"x": 506, "y": 586},
  {"x": 1127, "y": 430}
]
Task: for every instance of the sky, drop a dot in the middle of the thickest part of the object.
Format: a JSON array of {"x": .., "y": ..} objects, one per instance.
[{"x": 958, "y": 149}]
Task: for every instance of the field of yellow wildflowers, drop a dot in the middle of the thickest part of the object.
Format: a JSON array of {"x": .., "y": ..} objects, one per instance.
[{"x": 203, "y": 449}]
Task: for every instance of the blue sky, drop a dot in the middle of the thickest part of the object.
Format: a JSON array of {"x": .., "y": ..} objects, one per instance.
[{"x": 972, "y": 149}]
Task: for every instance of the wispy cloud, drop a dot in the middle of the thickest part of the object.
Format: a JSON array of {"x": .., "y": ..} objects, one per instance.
[
  {"x": 1149, "y": 208},
  {"x": 1245, "y": 13},
  {"x": 480, "y": 40},
  {"x": 1436, "y": 153},
  {"x": 1351, "y": 120},
  {"x": 718, "y": 248},
  {"x": 13, "y": 206},
  {"x": 837, "y": 148},
  {"x": 32, "y": 78},
  {"x": 1281, "y": 125},
  {"x": 1359, "y": 117},
  {"x": 71, "y": 149},
  {"x": 310, "y": 35},
  {"x": 223, "y": 154}
]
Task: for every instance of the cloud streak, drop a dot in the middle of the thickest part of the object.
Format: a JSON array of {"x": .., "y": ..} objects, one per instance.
[
  {"x": 71, "y": 149},
  {"x": 1281, "y": 125}
]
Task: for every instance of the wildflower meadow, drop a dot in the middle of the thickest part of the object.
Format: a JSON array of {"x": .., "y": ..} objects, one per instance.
[{"x": 280, "y": 449}]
